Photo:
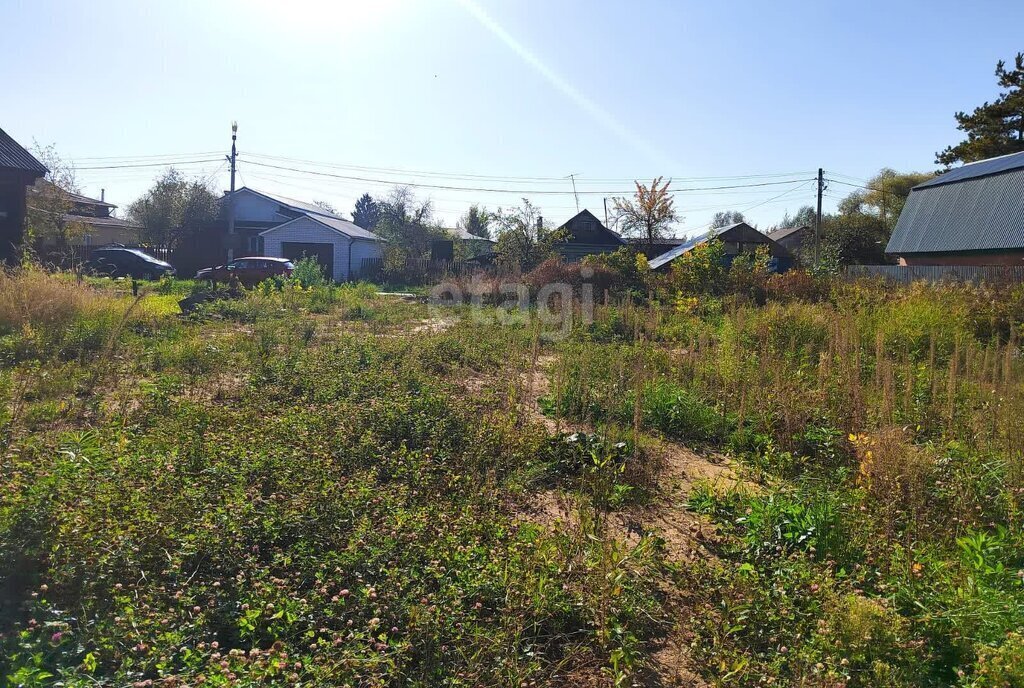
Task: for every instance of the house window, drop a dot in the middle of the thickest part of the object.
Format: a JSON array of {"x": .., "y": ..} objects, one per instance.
[
  {"x": 255, "y": 245},
  {"x": 587, "y": 225}
]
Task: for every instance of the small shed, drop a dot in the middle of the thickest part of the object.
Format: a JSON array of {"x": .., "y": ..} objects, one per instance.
[
  {"x": 338, "y": 245},
  {"x": 19, "y": 169},
  {"x": 737, "y": 239}
]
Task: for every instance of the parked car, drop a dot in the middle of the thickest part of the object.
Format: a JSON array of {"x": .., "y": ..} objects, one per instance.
[
  {"x": 121, "y": 261},
  {"x": 250, "y": 271}
]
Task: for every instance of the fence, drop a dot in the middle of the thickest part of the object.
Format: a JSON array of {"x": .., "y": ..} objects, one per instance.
[
  {"x": 415, "y": 270},
  {"x": 905, "y": 274}
]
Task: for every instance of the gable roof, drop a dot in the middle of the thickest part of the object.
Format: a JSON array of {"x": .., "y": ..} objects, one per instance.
[
  {"x": 291, "y": 203},
  {"x": 977, "y": 207},
  {"x": 589, "y": 216},
  {"x": 343, "y": 227},
  {"x": 979, "y": 168},
  {"x": 690, "y": 244},
  {"x": 783, "y": 232},
  {"x": 13, "y": 156}
]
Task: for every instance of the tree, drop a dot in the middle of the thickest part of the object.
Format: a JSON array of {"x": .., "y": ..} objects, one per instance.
[
  {"x": 995, "y": 128},
  {"x": 523, "y": 241},
  {"x": 49, "y": 202},
  {"x": 725, "y": 218},
  {"x": 856, "y": 238},
  {"x": 407, "y": 224},
  {"x": 476, "y": 221},
  {"x": 649, "y": 213},
  {"x": 887, "y": 193},
  {"x": 366, "y": 212},
  {"x": 326, "y": 206},
  {"x": 174, "y": 208},
  {"x": 804, "y": 217}
]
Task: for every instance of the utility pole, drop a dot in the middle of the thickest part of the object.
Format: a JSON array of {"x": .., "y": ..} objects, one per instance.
[
  {"x": 231, "y": 197},
  {"x": 576, "y": 195},
  {"x": 817, "y": 220}
]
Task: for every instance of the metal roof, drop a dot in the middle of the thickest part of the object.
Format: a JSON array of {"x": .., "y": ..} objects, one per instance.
[
  {"x": 783, "y": 232},
  {"x": 462, "y": 234},
  {"x": 13, "y": 156},
  {"x": 980, "y": 212},
  {"x": 345, "y": 227},
  {"x": 297, "y": 205},
  {"x": 981, "y": 168},
  {"x": 669, "y": 256}
]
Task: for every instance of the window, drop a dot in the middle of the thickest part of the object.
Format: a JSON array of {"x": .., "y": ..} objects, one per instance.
[{"x": 254, "y": 244}]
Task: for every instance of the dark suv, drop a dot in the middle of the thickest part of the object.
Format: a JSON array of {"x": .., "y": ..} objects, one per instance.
[
  {"x": 120, "y": 261},
  {"x": 249, "y": 271}
]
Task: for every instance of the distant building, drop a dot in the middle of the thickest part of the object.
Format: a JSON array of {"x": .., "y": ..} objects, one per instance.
[
  {"x": 585, "y": 236},
  {"x": 98, "y": 226},
  {"x": 793, "y": 239},
  {"x": 474, "y": 245},
  {"x": 657, "y": 247},
  {"x": 973, "y": 215},
  {"x": 279, "y": 227},
  {"x": 18, "y": 170},
  {"x": 737, "y": 239}
]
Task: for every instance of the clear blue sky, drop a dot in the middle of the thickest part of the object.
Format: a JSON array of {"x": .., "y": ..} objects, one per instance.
[{"x": 525, "y": 88}]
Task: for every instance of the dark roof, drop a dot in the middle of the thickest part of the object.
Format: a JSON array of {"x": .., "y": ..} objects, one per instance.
[
  {"x": 783, "y": 232},
  {"x": 974, "y": 170},
  {"x": 980, "y": 210},
  {"x": 13, "y": 156},
  {"x": 666, "y": 241},
  {"x": 589, "y": 216}
]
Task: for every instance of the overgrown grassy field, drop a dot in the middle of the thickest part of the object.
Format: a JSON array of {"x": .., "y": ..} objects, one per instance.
[{"x": 324, "y": 486}]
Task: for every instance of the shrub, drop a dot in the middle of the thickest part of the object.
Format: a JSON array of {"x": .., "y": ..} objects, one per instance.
[
  {"x": 796, "y": 285},
  {"x": 309, "y": 273},
  {"x": 678, "y": 413}
]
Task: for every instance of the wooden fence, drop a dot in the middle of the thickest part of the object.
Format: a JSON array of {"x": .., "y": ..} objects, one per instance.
[{"x": 905, "y": 274}]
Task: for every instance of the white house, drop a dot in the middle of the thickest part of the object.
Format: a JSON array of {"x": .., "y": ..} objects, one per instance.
[{"x": 281, "y": 227}]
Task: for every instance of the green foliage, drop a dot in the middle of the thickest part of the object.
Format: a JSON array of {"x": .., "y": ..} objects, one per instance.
[
  {"x": 174, "y": 208},
  {"x": 701, "y": 270},
  {"x": 309, "y": 273},
  {"x": 995, "y": 128}
]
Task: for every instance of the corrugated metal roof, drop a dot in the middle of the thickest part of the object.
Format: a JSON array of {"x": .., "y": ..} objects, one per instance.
[
  {"x": 13, "y": 156},
  {"x": 669, "y": 256},
  {"x": 980, "y": 212},
  {"x": 981, "y": 168}
]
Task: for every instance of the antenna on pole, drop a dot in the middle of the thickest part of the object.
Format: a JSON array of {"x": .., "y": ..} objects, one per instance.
[{"x": 575, "y": 195}]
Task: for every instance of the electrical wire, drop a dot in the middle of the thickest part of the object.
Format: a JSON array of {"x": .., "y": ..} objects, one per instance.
[{"x": 446, "y": 187}]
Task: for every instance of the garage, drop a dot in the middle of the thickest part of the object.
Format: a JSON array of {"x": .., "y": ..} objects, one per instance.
[
  {"x": 322, "y": 253},
  {"x": 337, "y": 244}
]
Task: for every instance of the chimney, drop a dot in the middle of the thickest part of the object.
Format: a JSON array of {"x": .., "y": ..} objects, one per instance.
[
  {"x": 103, "y": 194},
  {"x": 540, "y": 224}
]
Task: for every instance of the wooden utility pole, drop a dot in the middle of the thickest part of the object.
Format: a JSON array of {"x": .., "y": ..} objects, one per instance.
[
  {"x": 605, "y": 212},
  {"x": 817, "y": 220},
  {"x": 576, "y": 195},
  {"x": 231, "y": 197}
]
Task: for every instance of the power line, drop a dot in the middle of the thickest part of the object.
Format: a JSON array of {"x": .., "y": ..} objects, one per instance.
[
  {"x": 531, "y": 192},
  {"x": 148, "y": 164},
  {"x": 127, "y": 158},
  {"x": 869, "y": 188}
]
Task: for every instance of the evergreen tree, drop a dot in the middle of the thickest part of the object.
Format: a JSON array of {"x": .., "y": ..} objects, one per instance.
[
  {"x": 995, "y": 128},
  {"x": 367, "y": 212},
  {"x": 476, "y": 221}
]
